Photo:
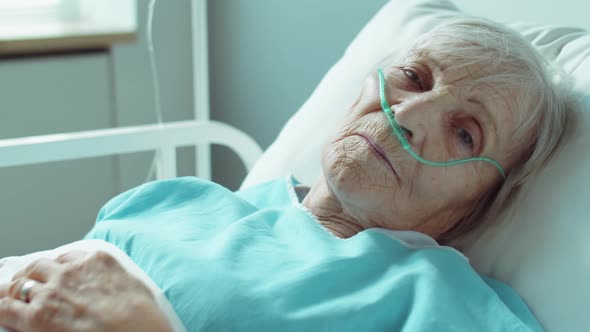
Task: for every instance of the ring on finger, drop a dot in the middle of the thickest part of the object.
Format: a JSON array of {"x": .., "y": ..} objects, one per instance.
[{"x": 24, "y": 293}]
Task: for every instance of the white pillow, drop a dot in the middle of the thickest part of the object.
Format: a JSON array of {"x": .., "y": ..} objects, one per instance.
[{"x": 539, "y": 246}]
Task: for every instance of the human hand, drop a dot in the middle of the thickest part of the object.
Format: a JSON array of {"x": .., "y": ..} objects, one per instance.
[{"x": 78, "y": 291}]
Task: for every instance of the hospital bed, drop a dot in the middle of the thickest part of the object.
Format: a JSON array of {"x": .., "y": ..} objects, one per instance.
[{"x": 539, "y": 246}]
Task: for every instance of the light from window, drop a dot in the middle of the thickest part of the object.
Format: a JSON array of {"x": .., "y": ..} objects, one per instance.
[
  {"x": 27, "y": 4},
  {"x": 37, "y": 11},
  {"x": 47, "y": 20}
]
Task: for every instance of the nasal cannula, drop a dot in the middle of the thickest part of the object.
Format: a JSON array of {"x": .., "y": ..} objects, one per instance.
[{"x": 406, "y": 145}]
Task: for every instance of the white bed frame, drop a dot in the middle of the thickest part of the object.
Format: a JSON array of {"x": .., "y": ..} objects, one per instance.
[{"x": 162, "y": 138}]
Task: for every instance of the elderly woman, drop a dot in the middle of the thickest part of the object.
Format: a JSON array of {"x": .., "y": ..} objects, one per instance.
[{"x": 433, "y": 147}]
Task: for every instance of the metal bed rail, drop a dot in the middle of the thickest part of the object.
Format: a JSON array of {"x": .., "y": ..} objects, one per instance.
[{"x": 163, "y": 138}]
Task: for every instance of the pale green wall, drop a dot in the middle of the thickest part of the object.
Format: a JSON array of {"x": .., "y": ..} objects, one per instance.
[
  {"x": 267, "y": 56},
  {"x": 47, "y": 205},
  {"x": 42, "y": 205}
]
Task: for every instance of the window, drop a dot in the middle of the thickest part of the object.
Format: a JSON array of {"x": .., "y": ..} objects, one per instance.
[{"x": 31, "y": 26}]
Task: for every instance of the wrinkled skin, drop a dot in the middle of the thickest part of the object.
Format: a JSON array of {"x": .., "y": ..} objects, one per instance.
[
  {"x": 79, "y": 292},
  {"x": 370, "y": 181}
]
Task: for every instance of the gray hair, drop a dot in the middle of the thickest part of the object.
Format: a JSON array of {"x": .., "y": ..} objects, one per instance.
[
  {"x": 544, "y": 90},
  {"x": 511, "y": 62}
]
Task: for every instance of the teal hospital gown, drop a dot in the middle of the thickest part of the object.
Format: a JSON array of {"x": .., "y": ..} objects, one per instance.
[{"x": 257, "y": 260}]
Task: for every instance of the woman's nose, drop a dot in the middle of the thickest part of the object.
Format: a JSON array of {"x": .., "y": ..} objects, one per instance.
[
  {"x": 420, "y": 119},
  {"x": 408, "y": 133}
]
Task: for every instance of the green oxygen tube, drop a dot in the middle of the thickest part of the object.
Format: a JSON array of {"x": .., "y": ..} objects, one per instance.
[{"x": 402, "y": 137}]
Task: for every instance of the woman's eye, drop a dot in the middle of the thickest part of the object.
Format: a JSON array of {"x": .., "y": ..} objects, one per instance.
[
  {"x": 465, "y": 138},
  {"x": 413, "y": 77}
]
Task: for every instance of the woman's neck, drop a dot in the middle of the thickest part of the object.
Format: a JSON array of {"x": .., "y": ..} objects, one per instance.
[{"x": 329, "y": 212}]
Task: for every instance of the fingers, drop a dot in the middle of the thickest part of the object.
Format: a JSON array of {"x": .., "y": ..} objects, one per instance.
[
  {"x": 72, "y": 256},
  {"x": 12, "y": 314},
  {"x": 40, "y": 270},
  {"x": 16, "y": 287},
  {"x": 4, "y": 290}
]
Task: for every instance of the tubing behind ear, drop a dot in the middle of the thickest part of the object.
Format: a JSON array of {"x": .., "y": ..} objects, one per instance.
[{"x": 406, "y": 145}]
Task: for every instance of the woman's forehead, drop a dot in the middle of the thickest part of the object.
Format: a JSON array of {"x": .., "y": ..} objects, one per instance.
[
  {"x": 428, "y": 54},
  {"x": 450, "y": 68},
  {"x": 470, "y": 78}
]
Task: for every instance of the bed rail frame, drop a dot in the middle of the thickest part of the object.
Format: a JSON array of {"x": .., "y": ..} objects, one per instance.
[{"x": 162, "y": 138}]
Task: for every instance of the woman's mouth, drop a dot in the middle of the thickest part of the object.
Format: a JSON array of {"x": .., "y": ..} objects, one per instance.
[{"x": 379, "y": 152}]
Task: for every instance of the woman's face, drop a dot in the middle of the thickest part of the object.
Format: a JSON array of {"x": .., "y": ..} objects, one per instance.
[{"x": 447, "y": 115}]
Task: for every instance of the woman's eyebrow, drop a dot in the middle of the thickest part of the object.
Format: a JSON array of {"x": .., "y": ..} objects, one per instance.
[{"x": 426, "y": 56}]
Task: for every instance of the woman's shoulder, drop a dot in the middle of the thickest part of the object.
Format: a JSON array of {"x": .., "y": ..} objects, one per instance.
[
  {"x": 275, "y": 193},
  {"x": 193, "y": 191},
  {"x": 162, "y": 192}
]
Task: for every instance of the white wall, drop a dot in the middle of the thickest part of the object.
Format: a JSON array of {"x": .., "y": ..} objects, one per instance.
[{"x": 561, "y": 12}]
